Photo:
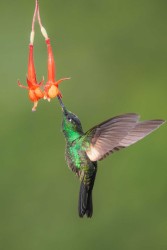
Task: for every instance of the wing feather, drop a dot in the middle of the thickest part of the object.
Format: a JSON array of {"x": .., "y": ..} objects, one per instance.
[
  {"x": 117, "y": 133},
  {"x": 141, "y": 130}
]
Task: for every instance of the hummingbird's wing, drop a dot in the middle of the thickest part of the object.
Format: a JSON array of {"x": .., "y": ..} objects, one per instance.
[{"x": 116, "y": 133}]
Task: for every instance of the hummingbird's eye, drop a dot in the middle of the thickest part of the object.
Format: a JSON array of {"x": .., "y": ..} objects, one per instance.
[{"x": 69, "y": 119}]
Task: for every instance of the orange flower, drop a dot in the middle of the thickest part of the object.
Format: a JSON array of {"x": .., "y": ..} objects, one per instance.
[
  {"x": 34, "y": 91},
  {"x": 51, "y": 87}
]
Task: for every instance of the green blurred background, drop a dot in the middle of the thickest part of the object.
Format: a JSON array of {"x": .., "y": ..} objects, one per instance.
[{"x": 115, "y": 52}]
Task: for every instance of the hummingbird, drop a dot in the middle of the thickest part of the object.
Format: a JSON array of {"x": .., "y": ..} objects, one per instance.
[{"x": 83, "y": 150}]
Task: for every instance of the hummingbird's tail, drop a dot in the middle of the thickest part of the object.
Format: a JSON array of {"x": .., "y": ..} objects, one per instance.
[{"x": 85, "y": 205}]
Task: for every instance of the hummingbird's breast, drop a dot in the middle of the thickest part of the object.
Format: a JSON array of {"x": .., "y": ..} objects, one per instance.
[{"x": 77, "y": 158}]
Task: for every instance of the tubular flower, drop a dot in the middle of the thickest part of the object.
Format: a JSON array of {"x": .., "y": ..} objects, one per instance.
[
  {"x": 34, "y": 91},
  {"x": 51, "y": 87}
]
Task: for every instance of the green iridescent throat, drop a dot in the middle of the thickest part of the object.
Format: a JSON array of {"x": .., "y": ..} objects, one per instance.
[{"x": 71, "y": 135}]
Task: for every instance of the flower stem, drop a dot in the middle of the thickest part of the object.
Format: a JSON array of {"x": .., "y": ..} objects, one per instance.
[
  {"x": 43, "y": 30},
  {"x": 32, "y": 34}
]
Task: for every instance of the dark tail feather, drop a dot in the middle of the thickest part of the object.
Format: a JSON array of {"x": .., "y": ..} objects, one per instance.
[{"x": 85, "y": 205}]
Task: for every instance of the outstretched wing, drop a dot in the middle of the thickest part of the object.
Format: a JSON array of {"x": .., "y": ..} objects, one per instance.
[{"x": 116, "y": 133}]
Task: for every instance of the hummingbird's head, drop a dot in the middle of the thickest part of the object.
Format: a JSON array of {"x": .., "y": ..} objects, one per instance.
[{"x": 71, "y": 124}]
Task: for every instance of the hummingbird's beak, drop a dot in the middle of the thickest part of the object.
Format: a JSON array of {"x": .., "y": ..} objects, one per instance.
[{"x": 62, "y": 105}]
